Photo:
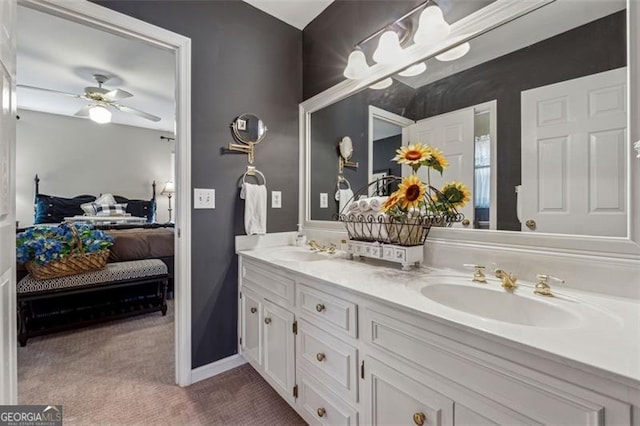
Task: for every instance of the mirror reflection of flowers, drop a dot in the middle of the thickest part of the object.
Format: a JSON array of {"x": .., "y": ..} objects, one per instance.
[
  {"x": 453, "y": 193},
  {"x": 417, "y": 155}
]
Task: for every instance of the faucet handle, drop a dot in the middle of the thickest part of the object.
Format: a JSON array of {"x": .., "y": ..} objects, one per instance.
[
  {"x": 478, "y": 274},
  {"x": 542, "y": 286}
]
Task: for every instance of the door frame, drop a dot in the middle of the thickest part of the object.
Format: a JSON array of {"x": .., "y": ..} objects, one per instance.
[
  {"x": 102, "y": 18},
  {"x": 389, "y": 117}
]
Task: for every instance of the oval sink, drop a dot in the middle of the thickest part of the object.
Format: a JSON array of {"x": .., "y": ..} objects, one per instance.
[
  {"x": 300, "y": 256},
  {"x": 502, "y": 306}
]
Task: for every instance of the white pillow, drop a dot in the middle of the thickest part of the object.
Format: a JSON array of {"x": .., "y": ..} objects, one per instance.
[{"x": 106, "y": 199}]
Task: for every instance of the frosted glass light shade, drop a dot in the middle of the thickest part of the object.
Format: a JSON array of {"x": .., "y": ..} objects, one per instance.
[
  {"x": 100, "y": 114},
  {"x": 432, "y": 28},
  {"x": 414, "y": 70},
  {"x": 382, "y": 84},
  {"x": 357, "y": 66},
  {"x": 455, "y": 53},
  {"x": 389, "y": 50},
  {"x": 169, "y": 188}
]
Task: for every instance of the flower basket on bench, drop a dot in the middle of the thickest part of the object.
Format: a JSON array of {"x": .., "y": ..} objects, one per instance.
[{"x": 68, "y": 249}]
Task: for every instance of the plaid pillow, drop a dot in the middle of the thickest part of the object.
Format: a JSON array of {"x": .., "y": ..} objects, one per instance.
[
  {"x": 110, "y": 209},
  {"x": 88, "y": 209}
]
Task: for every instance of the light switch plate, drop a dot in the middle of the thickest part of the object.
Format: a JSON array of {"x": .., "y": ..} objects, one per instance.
[
  {"x": 324, "y": 200},
  {"x": 204, "y": 198},
  {"x": 276, "y": 199}
]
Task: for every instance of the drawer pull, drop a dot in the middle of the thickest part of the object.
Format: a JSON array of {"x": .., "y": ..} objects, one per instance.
[
  {"x": 254, "y": 310},
  {"x": 419, "y": 418},
  {"x": 321, "y": 412},
  {"x": 267, "y": 320},
  {"x": 320, "y": 357},
  {"x": 320, "y": 307}
]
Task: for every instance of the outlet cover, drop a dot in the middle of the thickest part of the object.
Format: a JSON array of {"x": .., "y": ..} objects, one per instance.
[
  {"x": 324, "y": 200},
  {"x": 204, "y": 198},
  {"x": 276, "y": 199}
]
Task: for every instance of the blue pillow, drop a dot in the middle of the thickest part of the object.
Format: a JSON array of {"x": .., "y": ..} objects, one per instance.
[{"x": 50, "y": 209}]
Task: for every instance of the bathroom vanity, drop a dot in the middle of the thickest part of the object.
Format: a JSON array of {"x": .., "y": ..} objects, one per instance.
[{"x": 350, "y": 342}]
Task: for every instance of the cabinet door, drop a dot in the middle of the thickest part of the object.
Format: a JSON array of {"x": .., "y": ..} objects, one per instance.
[
  {"x": 391, "y": 398},
  {"x": 251, "y": 328},
  {"x": 278, "y": 348}
]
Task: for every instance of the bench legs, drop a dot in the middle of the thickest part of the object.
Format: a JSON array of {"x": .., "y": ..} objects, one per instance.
[
  {"x": 163, "y": 306},
  {"x": 23, "y": 318}
]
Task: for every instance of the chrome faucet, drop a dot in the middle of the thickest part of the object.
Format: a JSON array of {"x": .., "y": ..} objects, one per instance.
[{"x": 508, "y": 280}]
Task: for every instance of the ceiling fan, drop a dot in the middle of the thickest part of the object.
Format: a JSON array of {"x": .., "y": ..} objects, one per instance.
[{"x": 101, "y": 100}]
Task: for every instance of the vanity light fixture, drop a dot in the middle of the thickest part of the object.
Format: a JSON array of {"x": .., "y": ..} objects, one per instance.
[
  {"x": 413, "y": 70},
  {"x": 456, "y": 52},
  {"x": 389, "y": 49},
  {"x": 100, "y": 114},
  {"x": 432, "y": 29},
  {"x": 382, "y": 84}
]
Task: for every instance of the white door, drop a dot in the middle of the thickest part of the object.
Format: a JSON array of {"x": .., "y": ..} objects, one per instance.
[
  {"x": 391, "y": 398},
  {"x": 453, "y": 133},
  {"x": 279, "y": 356},
  {"x": 251, "y": 326},
  {"x": 8, "y": 338},
  {"x": 573, "y": 156}
]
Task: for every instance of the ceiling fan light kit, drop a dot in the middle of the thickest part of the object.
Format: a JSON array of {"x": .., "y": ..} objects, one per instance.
[{"x": 101, "y": 100}]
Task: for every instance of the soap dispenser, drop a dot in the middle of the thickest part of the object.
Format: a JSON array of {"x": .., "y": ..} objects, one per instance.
[{"x": 301, "y": 240}]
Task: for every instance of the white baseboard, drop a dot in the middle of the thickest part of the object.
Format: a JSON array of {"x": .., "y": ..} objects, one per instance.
[{"x": 215, "y": 368}]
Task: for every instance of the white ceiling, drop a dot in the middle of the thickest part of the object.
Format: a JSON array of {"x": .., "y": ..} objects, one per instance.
[
  {"x": 383, "y": 129},
  {"x": 54, "y": 53},
  {"x": 297, "y": 13}
]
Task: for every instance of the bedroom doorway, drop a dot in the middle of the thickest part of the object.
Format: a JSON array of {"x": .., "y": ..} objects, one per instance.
[{"x": 103, "y": 19}]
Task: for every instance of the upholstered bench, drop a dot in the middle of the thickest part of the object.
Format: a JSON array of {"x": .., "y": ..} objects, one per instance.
[{"x": 99, "y": 286}]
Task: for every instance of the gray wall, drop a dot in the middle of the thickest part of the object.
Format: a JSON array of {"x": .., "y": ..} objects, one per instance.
[
  {"x": 243, "y": 60},
  {"x": 383, "y": 151}
]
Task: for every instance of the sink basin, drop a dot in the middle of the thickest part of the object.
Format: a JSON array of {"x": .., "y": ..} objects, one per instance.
[
  {"x": 500, "y": 305},
  {"x": 300, "y": 256}
]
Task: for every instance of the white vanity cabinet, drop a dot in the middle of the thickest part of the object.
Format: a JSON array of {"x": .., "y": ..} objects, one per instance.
[{"x": 340, "y": 357}]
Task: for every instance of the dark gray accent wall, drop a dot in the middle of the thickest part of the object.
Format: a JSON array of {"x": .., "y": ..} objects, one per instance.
[
  {"x": 592, "y": 48},
  {"x": 383, "y": 151},
  {"x": 243, "y": 60}
]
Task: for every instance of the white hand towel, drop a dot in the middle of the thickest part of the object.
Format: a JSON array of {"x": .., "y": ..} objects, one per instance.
[
  {"x": 376, "y": 203},
  {"x": 364, "y": 205},
  {"x": 378, "y": 227},
  {"x": 255, "y": 208},
  {"x": 343, "y": 196},
  {"x": 353, "y": 208}
]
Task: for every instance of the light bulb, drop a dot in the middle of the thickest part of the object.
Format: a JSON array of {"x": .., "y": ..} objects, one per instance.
[
  {"x": 455, "y": 53},
  {"x": 414, "y": 70},
  {"x": 389, "y": 50},
  {"x": 432, "y": 27},
  {"x": 357, "y": 66},
  {"x": 382, "y": 84},
  {"x": 100, "y": 114}
]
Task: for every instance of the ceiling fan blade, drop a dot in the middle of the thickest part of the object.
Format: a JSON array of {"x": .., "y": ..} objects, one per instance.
[
  {"x": 137, "y": 112},
  {"x": 83, "y": 112},
  {"x": 24, "y": 86},
  {"x": 118, "y": 94}
]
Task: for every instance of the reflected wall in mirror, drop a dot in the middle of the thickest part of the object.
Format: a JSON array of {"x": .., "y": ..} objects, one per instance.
[{"x": 538, "y": 104}]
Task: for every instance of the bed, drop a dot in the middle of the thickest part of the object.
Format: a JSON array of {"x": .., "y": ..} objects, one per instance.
[{"x": 133, "y": 242}]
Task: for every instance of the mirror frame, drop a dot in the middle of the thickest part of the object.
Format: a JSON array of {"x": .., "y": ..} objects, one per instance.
[
  {"x": 492, "y": 16},
  {"x": 236, "y": 134}
]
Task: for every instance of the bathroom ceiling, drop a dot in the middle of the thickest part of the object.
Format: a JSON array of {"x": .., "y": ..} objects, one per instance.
[
  {"x": 58, "y": 54},
  {"x": 297, "y": 13}
]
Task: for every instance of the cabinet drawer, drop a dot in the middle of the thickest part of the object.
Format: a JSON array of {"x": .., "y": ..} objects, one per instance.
[
  {"x": 273, "y": 286},
  {"x": 330, "y": 360},
  {"x": 391, "y": 398},
  {"x": 320, "y": 406},
  {"x": 324, "y": 309}
]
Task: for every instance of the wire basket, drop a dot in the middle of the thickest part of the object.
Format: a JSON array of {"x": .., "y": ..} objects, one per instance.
[{"x": 411, "y": 229}]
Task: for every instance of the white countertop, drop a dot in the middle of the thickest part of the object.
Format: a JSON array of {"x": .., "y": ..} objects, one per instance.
[{"x": 605, "y": 333}]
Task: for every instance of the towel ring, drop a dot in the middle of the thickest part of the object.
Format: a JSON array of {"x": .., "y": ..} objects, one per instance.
[
  {"x": 252, "y": 171},
  {"x": 341, "y": 181}
]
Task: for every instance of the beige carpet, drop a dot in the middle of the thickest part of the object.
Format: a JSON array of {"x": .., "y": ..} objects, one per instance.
[{"x": 121, "y": 373}]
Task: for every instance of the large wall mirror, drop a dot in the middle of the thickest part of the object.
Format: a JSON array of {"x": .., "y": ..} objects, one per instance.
[{"x": 534, "y": 119}]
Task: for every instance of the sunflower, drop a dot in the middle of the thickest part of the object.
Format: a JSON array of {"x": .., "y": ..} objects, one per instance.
[
  {"x": 413, "y": 155},
  {"x": 437, "y": 161},
  {"x": 391, "y": 202},
  {"x": 456, "y": 193},
  {"x": 411, "y": 192}
]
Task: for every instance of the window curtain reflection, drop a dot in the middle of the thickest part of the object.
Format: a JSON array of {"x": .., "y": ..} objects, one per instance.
[{"x": 483, "y": 172}]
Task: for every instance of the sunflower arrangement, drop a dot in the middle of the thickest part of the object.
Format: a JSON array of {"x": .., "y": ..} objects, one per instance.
[{"x": 409, "y": 200}]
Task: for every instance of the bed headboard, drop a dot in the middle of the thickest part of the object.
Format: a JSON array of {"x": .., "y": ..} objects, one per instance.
[{"x": 53, "y": 209}]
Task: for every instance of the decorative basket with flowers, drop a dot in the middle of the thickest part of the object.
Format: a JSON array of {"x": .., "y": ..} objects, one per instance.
[
  {"x": 408, "y": 213},
  {"x": 67, "y": 249}
]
